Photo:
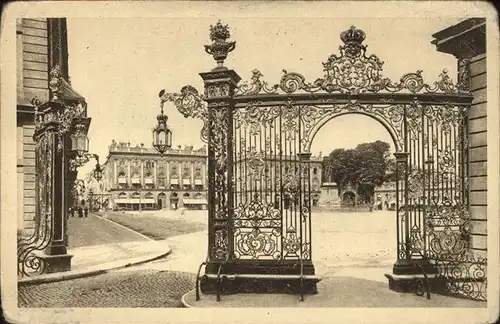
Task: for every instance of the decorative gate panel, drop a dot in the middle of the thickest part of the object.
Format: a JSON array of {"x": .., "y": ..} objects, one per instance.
[
  {"x": 269, "y": 222},
  {"x": 259, "y": 160}
]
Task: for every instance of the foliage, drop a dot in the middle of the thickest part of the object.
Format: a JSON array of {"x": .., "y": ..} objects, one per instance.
[{"x": 364, "y": 166}]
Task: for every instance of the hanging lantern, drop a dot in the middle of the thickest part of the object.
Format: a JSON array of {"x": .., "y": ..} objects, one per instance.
[
  {"x": 162, "y": 135},
  {"x": 79, "y": 140},
  {"x": 98, "y": 172}
]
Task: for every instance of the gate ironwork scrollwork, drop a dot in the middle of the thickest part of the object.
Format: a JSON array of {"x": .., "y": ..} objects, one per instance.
[
  {"x": 260, "y": 136},
  {"x": 28, "y": 261},
  {"x": 55, "y": 175}
]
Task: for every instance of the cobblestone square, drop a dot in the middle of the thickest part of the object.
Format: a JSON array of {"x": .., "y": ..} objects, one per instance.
[{"x": 116, "y": 289}]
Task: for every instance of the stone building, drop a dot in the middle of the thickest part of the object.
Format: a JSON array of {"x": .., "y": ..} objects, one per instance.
[
  {"x": 260, "y": 174},
  {"x": 41, "y": 44},
  {"x": 137, "y": 177},
  {"x": 467, "y": 42},
  {"x": 385, "y": 196}
]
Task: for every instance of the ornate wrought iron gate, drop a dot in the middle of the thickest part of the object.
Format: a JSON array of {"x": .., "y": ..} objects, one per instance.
[
  {"x": 44, "y": 251},
  {"x": 259, "y": 139}
]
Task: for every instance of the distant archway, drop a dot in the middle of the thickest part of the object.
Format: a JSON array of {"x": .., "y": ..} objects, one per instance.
[
  {"x": 349, "y": 198},
  {"x": 162, "y": 200}
]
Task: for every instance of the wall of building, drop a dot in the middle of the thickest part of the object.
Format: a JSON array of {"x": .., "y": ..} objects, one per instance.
[
  {"x": 32, "y": 76},
  {"x": 478, "y": 154},
  {"x": 32, "y": 36}
]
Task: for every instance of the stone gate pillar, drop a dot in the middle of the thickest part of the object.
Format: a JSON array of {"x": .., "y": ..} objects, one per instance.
[
  {"x": 55, "y": 121},
  {"x": 220, "y": 84},
  {"x": 219, "y": 88}
]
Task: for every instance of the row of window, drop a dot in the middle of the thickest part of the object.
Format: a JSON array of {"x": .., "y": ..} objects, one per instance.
[{"x": 150, "y": 195}]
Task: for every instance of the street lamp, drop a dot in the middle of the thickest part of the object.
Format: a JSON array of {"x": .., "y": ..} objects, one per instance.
[
  {"x": 162, "y": 135},
  {"x": 97, "y": 171},
  {"x": 79, "y": 139}
]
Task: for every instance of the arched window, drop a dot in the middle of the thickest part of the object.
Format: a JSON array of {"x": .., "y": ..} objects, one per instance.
[{"x": 315, "y": 171}]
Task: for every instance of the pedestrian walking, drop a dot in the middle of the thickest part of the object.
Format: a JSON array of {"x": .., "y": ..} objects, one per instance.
[
  {"x": 86, "y": 211},
  {"x": 81, "y": 207}
]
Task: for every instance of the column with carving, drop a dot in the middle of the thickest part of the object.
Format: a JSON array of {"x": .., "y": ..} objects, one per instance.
[{"x": 219, "y": 91}]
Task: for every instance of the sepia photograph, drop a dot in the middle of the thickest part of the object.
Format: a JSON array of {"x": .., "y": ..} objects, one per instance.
[{"x": 238, "y": 160}]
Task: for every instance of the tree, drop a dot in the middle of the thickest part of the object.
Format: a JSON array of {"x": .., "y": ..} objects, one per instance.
[
  {"x": 342, "y": 166},
  {"x": 365, "y": 166}
]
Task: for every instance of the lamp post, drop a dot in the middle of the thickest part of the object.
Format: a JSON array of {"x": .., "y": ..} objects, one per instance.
[
  {"x": 97, "y": 173},
  {"x": 91, "y": 196},
  {"x": 162, "y": 135}
]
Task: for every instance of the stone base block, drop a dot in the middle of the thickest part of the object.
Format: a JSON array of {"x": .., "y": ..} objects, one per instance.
[
  {"x": 56, "y": 263},
  {"x": 232, "y": 284},
  {"x": 413, "y": 267}
]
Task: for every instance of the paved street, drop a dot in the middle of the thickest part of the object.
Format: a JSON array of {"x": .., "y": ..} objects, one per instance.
[
  {"x": 130, "y": 289},
  {"x": 94, "y": 230},
  {"x": 355, "y": 240},
  {"x": 351, "y": 252}
]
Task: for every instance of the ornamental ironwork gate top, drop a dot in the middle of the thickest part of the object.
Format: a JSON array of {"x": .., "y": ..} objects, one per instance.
[
  {"x": 350, "y": 75},
  {"x": 352, "y": 78}
]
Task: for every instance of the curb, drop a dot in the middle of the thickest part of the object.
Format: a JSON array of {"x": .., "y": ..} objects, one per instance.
[
  {"x": 88, "y": 273},
  {"x": 184, "y": 301}
]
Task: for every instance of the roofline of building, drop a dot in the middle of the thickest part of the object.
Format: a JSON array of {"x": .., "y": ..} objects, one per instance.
[
  {"x": 156, "y": 154},
  {"x": 465, "y": 39}
]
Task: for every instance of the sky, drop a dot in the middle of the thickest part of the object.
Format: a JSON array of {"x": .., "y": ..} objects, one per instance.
[{"x": 120, "y": 64}]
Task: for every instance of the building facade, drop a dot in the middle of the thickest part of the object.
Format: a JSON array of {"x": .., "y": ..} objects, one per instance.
[
  {"x": 385, "y": 196},
  {"x": 263, "y": 176},
  {"x": 137, "y": 178}
]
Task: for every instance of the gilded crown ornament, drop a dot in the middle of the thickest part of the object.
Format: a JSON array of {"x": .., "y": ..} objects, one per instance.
[
  {"x": 352, "y": 38},
  {"x": 220, "y": 47}
]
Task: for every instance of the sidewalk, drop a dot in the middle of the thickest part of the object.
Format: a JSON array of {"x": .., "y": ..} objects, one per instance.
[
  {"x": 341, "y": 290},
  {"x": 98, "y": 259}
]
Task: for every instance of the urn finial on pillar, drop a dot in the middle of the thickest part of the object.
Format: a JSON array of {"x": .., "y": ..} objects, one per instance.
[{"x": 220, "y": 47}]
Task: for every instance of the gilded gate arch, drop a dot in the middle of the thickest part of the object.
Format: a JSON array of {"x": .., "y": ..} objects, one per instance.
[{"x": 259, "y": 137}]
